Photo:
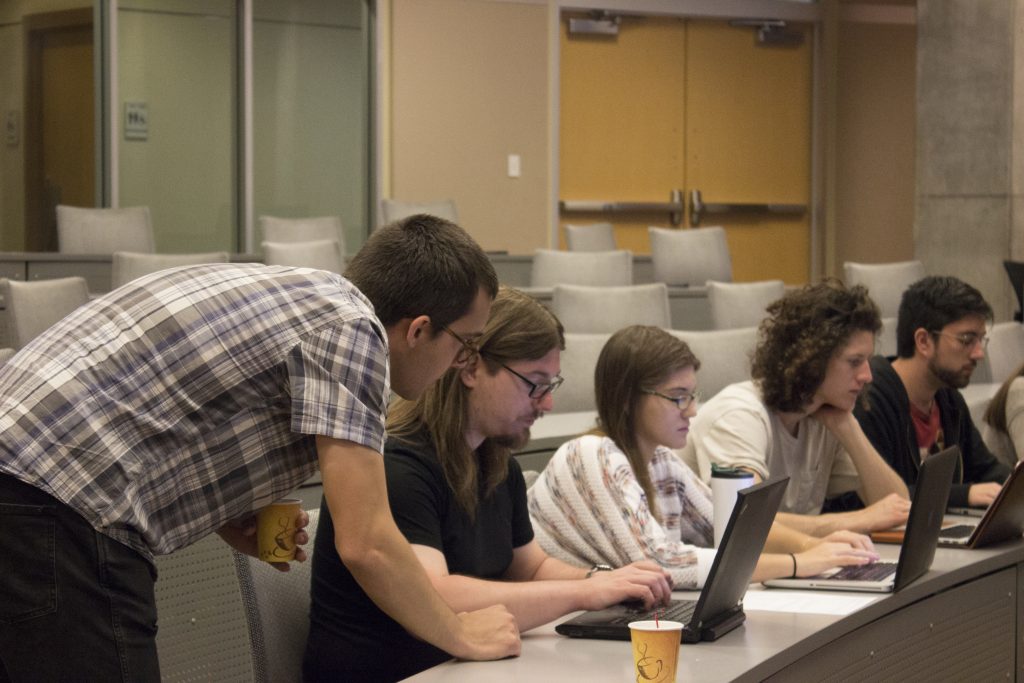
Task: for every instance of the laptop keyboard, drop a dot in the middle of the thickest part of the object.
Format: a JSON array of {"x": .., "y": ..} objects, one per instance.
[
  {"x": 675, "y": 610},
  {"x": 957, "y": 531},
  {"x": 865, "y": 572}
]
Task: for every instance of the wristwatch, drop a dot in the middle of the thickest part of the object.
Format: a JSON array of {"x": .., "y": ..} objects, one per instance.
[{"x": 598, "y": 568}]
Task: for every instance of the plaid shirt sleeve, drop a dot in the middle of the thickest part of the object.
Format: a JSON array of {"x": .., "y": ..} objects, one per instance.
[{"x": 339, "y": 381}]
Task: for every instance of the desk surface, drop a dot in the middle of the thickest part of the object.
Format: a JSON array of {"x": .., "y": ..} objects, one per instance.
[{"x": 766, "y": 644}]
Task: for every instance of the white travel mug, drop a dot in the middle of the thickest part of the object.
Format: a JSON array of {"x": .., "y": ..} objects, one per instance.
[{"x": 726, "y": 482}]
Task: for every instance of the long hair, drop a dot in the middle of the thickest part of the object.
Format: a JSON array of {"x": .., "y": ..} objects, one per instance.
[
  {"x": 801, "y": 334},
  {"x": 634, "y": 359},
  {"x": 995, "y": 413},
  {"x": 519, "y": 328}
]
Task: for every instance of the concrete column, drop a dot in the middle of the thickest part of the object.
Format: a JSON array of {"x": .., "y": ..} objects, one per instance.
[{"x": 970, "y": 214}]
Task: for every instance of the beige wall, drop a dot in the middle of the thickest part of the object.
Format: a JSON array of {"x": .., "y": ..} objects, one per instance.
[
  {"x": 469, "y": 86},
  {"x": 875, "y": 128}
]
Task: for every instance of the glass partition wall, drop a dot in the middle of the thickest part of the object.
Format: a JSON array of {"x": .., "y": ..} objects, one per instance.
[{"x": 211, "y": 113}]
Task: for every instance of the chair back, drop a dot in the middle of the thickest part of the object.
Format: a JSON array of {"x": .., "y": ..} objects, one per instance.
[
  {"x": 278, "y": 603},
  {"x": 319, "y": 254},
  {"x": 594, "y": 268},
  {"x": 690, "y": 256},
  {"x": 394, "y": 209},
  {"x": 885, "y": 282},
  {"x": 578, "y": 362},
  {"x": 724, "y": 356},
  {"x": 104, "y": 231},
  {"x": 33, "y": 307},
  {"x": 1004, "y": 354},
  {"x": 276, "y": 229},
  {"x": 592, "y": 237},
  {"x": 129, "y": 265},
  {"x": 607, "y": 309},
  {"x": 741, "y": 304},
  {"x": 885, "y": 343},
  {"x": 205, "y": 629}
]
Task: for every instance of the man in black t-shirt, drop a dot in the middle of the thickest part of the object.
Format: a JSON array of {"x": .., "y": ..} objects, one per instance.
[{"x": 460, "y": 499}]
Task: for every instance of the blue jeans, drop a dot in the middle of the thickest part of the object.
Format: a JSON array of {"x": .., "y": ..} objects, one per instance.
[{"x": 75, "y": 605}]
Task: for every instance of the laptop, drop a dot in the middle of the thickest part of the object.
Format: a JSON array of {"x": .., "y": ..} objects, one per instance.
[
  {"x": 1003, "y": 519},
  {"x": 918, "y": 550},
  {"x": 719, "y": 609}
]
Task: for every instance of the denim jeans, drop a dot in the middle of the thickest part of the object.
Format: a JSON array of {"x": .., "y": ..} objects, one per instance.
[{"x": 75, "y": 605}]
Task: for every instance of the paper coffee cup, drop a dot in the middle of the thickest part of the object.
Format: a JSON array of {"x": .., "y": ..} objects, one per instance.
[
  {"x": 726, "y": 482},
  {"x": 655, "y": 649},
  {"x": 276, "y": 526}
]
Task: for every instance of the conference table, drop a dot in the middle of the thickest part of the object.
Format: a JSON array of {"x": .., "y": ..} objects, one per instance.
[{"x": 962, "y": 621}]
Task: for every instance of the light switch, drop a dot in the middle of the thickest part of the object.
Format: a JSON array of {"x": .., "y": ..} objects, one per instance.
[{"x": 514, "y": 168}]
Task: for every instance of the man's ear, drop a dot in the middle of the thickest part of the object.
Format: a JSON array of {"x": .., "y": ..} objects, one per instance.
[
  {"x": 924, "y": 342},
  {"x": 468, "y": 372},
  {"x": 418, "y": 330}
]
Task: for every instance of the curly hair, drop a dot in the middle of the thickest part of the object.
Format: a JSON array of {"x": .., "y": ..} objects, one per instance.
[{"x": 801, "y": 334}]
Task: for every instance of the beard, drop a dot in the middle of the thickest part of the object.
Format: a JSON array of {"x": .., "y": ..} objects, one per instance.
[
  {"x": 954, "y": 379},
  {"x": 512, "y": 442}
]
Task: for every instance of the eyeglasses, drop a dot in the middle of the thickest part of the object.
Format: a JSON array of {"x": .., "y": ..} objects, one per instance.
[
  {"x": 682, "y": 402},
  {"x": 968, "y": 340},
  {"x": 538, "y": 391},
  {"x": 469, "y": 349}
]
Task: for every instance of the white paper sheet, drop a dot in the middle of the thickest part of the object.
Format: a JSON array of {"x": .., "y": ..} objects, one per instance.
[{"x": 805, "y": 602}]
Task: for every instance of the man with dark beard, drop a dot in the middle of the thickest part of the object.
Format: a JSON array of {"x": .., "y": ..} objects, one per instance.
[
  {"x": 913, "y": 407},
  {"x": 459, "y": 497}
]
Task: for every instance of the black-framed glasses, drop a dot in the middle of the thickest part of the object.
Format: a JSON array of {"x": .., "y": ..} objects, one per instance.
[
  {"x": 968, "y": 340},
  {"x": 538, "y": 391},
  {"x": 469, "y": 349},
  {"x": 682, "y": 402}
]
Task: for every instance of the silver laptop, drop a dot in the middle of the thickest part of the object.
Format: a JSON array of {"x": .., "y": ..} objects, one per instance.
[
  {"x": 1003, "y": 519},
  {"x": 918, "y": 550}
]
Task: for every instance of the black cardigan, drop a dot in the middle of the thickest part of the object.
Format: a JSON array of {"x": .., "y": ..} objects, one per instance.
[{"x": 886, "y": 421}]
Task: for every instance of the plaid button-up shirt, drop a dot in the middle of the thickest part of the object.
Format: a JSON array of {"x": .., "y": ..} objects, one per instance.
[{"x": 189, "y": 398}]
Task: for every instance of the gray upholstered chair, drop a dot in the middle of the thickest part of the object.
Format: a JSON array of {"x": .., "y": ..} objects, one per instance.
[
  {"x": 690, "y": 256},
  {"x": 724, "y": 356},
  {"x": 205, "y": 633},
  {"x": 319, "y": 254},
  {"x": 590, "y": 237},
  {"x": 741, "y": 304},
  {"x": 578, "y": 362},
  {"x": 594, "y": 268},
  {"x": 1005, "y": 350},
  {"x": 279, "y": 604},
  {"x": 394, "y": 209},
  {"x": 885, "y": 343},
  {"x": 104, "y": 231},
  {"x": 128, "y": 265},
  {"x": 276, "y": 229},
  {"x": 34, "y": 307},
  {"x": 885, "y": 281},
  {"x": 607, "y": 309}
]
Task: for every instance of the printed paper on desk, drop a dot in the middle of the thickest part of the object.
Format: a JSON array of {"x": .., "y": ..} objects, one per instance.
[{"x": 805, "y": 602}]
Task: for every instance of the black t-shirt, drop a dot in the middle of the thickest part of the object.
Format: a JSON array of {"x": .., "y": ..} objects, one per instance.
[{"x": 350, "y": 637}]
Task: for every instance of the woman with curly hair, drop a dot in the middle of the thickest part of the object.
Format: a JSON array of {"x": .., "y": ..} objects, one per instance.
[{"x": 795, "y": 418}]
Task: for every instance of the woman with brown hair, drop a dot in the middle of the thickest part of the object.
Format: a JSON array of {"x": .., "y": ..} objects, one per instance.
[
  {"x": 620, "y": 493},
  {"x": 1003, "y": 425}
]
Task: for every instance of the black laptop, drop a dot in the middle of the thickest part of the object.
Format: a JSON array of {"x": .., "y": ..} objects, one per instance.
[
  {"x": 719, "y": 609},
  {"x": 1003, "y": 519},
  {"x": 919, "y": 542}
]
